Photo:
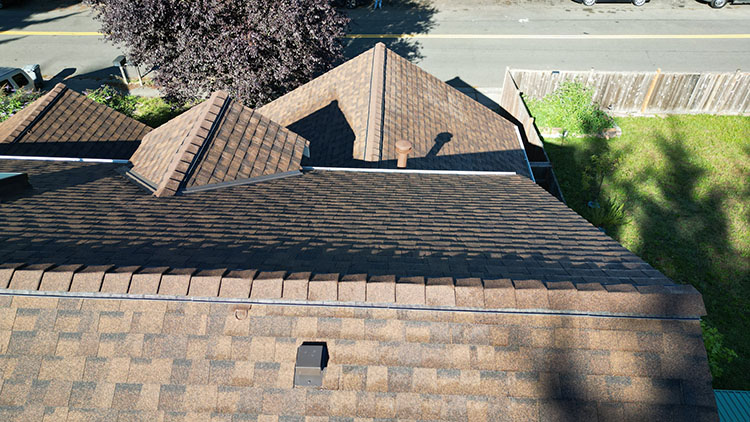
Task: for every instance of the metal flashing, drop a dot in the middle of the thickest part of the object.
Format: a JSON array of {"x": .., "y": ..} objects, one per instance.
[
  {"x": 334, "y": 304},
  {"x": 65, "y": 159},
  {"x": 249, "y": 181},
  {"x": 412, "y": 171}
]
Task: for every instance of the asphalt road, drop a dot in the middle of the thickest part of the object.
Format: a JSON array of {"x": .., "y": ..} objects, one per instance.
[{"x": 468, "y": 41}]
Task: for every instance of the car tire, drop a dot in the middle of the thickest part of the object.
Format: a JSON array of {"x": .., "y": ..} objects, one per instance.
[
  {"x": 718, "y": 4},
  {"x": 639, "y": 2},
  {"x": 588, "y": 2}
]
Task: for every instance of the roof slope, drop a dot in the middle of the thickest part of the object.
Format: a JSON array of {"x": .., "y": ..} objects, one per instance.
[
  {"x": 428, "y": 225},
  {"x": 218, "y": 141},
  {"x": 134, "y": 359},
  {"x": 64, "y": 123},
  {"x": 378, "y": 94}
]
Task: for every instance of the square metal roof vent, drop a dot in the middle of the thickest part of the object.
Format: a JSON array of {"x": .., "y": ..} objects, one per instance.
[
  {"x": 11, "y": 183},
  {"x": 312, "y": 359}
]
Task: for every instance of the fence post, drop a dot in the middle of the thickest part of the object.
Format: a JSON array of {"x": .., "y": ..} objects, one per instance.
[{"x": 650, "y": 91}]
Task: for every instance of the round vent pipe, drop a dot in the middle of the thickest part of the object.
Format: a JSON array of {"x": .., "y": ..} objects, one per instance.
[{"x": 403, "y": 148}]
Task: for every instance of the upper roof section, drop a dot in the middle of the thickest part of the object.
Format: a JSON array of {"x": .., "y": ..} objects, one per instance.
[
  {"x": 354, "y": 115},
  {"x": 64, "y": 123},
  {"x": 406, "y": 224},
  {"x": 218, "y": 141}
]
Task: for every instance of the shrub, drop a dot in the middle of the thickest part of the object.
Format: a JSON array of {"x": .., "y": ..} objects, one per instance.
[
  {"x": 14, "y": 102},
  {"x": 571, "y": 108},
  {"x": 256, "y": 49},
  {"x": 153, "y": 111},
  {"x": 719, "y": 356},
  {"x": 111, "y": 97}
]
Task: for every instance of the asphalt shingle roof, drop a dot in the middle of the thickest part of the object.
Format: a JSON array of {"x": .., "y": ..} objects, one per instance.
[
  {"x": 217, "y": 141},
  {"x": 64, "y": 123},
  {"x": 440, "y": 296},
  {"x": 428, "y": 225},
  {"x": 354, "y": 115}
]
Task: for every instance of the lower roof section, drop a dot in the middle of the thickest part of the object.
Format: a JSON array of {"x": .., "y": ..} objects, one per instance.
[
  {"x": 425, "y": 225},
  {"x": 88, "y": 359}
]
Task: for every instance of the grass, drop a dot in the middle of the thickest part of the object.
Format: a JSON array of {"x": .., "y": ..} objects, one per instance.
[
  {"x": 571, "y": 108},
  {"x": 153, "y": 111},
  {"x": 682, "y": 187},
  {"x": 12, "y": 103}
]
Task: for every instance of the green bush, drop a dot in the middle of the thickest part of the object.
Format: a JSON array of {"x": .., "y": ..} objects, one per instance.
[
  {"x": 12, "y": 103},
  {"x": 111, "y": 97},
  {"x": 153, "y": 111},
  {"x": 571, "y": 108},
  {"x": 156, "y": 111},
  {"x": 719, "y": 356}
]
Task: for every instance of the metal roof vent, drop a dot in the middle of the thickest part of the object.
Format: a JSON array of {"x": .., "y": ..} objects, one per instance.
[{"x": 312, "y": 359}]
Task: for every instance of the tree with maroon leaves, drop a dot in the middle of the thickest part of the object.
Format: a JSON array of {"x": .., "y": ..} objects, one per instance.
[{"x": 255, "y": 49}]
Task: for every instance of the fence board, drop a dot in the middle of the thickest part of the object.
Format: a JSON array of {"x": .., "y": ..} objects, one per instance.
[{"x": 625, "y": 92}]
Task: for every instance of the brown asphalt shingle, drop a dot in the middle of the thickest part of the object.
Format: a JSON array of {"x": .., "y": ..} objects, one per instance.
[
  {"x": 217, "y": 141},
  {"x": 93, "y": 359},
  {"x": 64, "y": 123},
  {"x": 354, "y": 115},
  {"x": 492, "y": 227}
]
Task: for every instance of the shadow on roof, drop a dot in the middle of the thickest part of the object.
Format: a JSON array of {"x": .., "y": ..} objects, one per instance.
[
  {"x": 331, "y": 138},
  {"x": 104, "y": 149}
]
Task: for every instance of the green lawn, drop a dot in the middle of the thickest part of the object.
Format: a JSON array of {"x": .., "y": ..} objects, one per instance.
[{"x": 683, "y": 183}]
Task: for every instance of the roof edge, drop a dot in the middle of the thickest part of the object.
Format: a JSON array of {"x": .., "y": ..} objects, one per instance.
[
  {"x": 38, "y": 111},
  {"x": 675, "y": 301}
]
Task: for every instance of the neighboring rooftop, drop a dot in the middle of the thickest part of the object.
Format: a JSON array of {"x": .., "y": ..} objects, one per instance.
[
  {"x": 218, "y": 141},
  {"x": 64, "y": 123},
  {"x": 354, "y": 115}
]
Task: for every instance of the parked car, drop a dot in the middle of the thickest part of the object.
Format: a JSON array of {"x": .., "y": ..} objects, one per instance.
[
  {"x": 13, "y": 78},
  {"x": 635, "y": 2},
  {"x": 718, "y": 4}
]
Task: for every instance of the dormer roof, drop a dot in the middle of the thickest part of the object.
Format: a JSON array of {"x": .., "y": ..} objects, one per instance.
[{"x": 219, "y": 141}]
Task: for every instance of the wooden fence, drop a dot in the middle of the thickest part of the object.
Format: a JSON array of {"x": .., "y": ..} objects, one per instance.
[{"x": 648, "y": 92}]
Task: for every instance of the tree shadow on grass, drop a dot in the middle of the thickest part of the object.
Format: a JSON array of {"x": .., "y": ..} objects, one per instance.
[
  {"x": 676, "y": 226},
  {"x": 396, "y": 17}
]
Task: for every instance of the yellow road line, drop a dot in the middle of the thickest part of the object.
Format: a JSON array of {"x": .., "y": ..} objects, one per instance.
[
  {"x": 469, "y": 36},
  {"x": 551, "y": 37}
]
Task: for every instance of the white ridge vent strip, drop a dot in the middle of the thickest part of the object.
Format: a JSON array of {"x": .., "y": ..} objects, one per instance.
[
  {"x": 66, "y": 159},
  {"x": 413, "y": 171}
]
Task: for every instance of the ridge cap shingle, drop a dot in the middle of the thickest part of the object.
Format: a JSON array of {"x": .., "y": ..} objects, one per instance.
[
  {"x": 374, "y": 137},
  {"x": 671, "y": 301},
  {"x": 193, "y": 143}
]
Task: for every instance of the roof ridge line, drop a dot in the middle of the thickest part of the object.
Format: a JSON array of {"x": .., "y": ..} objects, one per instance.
[
  {"x": 374, "y": 129},
  {"x": 36, "y": 114},
  {"x": 619, "y": 299},
  {"x": 180, "y": 166}
]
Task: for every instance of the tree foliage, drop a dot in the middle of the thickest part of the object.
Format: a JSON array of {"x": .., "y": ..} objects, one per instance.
[{"x": 256, "y": 49}]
